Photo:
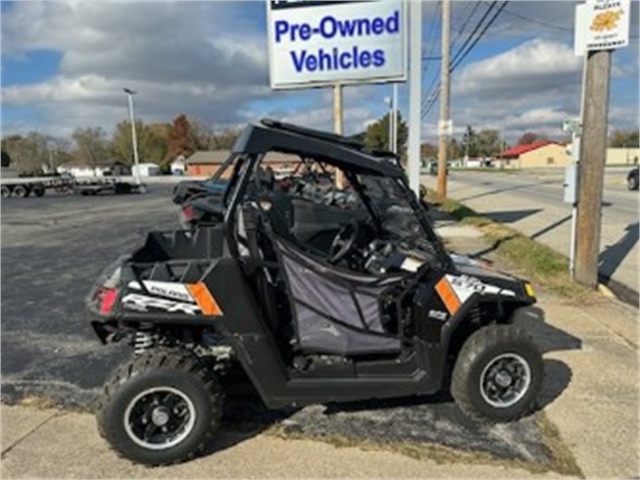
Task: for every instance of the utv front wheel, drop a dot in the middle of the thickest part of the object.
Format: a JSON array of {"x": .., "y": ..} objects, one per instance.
[
  {"x": 160, "y": 408},
  {"x": 498, "y": 374}
]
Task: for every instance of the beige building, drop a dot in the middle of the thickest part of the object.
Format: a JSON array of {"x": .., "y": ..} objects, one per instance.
[
  {"x": 534, "y": 155},
  {"x": 623, "y": 156}
]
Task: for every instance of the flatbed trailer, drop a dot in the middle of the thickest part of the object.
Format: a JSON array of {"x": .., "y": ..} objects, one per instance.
[
  {"x": 112, "y": 186},
  {"x": 25, "y": 186}
]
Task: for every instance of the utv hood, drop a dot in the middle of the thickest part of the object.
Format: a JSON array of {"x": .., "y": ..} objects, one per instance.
[{"x": 507, "y": 285}]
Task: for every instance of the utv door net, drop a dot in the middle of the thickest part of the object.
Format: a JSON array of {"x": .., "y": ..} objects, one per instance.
[{"x": 336, "y": 312}]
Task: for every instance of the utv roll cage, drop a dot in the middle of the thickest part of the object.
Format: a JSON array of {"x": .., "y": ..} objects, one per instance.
[{"x": 342, "y": 152}]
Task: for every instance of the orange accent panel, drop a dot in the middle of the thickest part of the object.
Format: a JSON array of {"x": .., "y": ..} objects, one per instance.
[
  {"x": 448, "y": 296},
  {"x": 204, "y": 299}
]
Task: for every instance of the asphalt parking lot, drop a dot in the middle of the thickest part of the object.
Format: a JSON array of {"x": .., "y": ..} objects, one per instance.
[{"x": 54, "y": 247}]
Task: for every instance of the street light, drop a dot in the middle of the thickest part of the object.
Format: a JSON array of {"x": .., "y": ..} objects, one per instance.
[
  {"x": 389, "y": 101},
  {"x": 130, "y": 93}
]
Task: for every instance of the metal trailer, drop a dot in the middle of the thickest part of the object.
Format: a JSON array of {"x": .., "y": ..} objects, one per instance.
[{"x": 23, "y": 187}]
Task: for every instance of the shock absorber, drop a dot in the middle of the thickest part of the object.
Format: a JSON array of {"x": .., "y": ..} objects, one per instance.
[{"x": 143, "y": 339}]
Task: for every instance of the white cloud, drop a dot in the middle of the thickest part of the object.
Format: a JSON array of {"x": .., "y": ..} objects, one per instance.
[
  {"x": 209, "y": 60},
  {"x": 529, "y": 69},
  {"x": 180, "y": 57}
]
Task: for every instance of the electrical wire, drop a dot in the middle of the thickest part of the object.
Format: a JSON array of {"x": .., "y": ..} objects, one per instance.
[{"x": 460, "y": 56}]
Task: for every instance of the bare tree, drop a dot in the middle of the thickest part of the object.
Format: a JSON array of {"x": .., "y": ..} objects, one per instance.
[
  {"x": 91, "y": 145},
  {"x": 28, "y": 153}
]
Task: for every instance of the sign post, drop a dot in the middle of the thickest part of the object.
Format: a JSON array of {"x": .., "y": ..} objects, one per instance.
[{"x": 415, "y": 97}]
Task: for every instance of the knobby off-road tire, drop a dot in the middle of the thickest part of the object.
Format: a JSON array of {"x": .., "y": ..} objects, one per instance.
[
  {"x": 163, "y": 389},
  {"x": 498, "y": 374}
]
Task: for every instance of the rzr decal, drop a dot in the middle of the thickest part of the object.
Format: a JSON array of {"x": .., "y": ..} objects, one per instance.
[
  {"x": 196, "y": 296},
  {"x": 455, "y": 290},
  {"x": 142, "y": 303}
]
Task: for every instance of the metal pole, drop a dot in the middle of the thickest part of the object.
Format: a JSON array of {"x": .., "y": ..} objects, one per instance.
[
  {"x": 337, "y": 125},
  {"x": 134, "y": 139},
  {"x": 444, "y": 99},
  {"x": 394, "y": 116},
  {"x": 415, "y": 94},
  {"x": 593, "y": 150},
  {"x": 575, "y": 156},
  {"x": 389, "y": 101}
]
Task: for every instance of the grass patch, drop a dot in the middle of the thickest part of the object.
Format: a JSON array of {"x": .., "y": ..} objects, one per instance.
[
  {"x": 38, "y": 403},
  {"x": 541, "y": 264},
  {"x": 563, "y": 460}
]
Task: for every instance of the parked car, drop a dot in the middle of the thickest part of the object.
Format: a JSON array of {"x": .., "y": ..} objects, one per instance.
[{"x": 632, "y": 179}]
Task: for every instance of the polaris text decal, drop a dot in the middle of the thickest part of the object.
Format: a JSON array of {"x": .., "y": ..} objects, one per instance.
[{"x": 317, "y": 42}]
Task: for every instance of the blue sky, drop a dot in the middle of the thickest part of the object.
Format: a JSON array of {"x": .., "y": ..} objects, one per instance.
[{"x": 64, "y": 66}]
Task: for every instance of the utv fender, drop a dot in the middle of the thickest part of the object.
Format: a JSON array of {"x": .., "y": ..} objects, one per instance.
[{"x": 516, "y": 304}]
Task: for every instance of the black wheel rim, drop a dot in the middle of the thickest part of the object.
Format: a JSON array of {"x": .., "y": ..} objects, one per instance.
[
  {"x": 505, "y": 380},
  {"x": 159, "y": 418}
]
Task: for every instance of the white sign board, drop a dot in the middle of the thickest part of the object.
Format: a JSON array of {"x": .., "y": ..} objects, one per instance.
[
  {"x": 313, "y": 43},
  {"x": 605, "y": 24}
]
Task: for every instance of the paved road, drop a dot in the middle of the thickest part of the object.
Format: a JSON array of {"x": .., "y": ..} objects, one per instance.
[
  {"x": 532, "y": 203},
  {"x": 53, "y": 249}
]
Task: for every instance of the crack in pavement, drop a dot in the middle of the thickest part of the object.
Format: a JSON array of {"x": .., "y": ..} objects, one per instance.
[{"x": 6, "y": 450}]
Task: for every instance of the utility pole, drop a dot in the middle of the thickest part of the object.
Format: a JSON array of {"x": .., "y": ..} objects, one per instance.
[
  {"x": 593, "y": 151},
  {"x": 337, "y": 125},
  {"x": 445, "y": 122}
]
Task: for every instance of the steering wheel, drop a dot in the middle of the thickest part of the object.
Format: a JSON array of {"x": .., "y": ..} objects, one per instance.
[{"x": 343, "y": 242}]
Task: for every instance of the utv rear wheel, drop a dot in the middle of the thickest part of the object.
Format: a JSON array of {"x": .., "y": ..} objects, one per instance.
[
  {"x": 498, "y": 374},
  {"x": 160, "y": 408}
]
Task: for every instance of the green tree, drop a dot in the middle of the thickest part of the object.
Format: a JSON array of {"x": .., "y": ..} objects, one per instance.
[
  {"x": 469, "y": 146},
  {"x": 151, "y": 139},
  {"x": 624, "y": 138},
  {"x": 6, "y": 159},
  {"x": 377, "y": 134}
]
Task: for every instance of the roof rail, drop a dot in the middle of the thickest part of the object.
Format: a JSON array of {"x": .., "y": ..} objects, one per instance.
[
  {"x": 349, "y": 142},
  {"x": 308, "y": 132}
]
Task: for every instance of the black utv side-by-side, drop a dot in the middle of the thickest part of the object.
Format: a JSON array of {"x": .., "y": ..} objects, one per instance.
[{"x": 318, "y": 293}]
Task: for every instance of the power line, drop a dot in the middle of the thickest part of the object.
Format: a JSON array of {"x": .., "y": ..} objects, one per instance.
[
  {"x": 426, "y": 99},
  {"x": 429, "y": 100},
  {"x": 432, "y": 33},
  {"x": 466, "y": 42},
  {"x": 538, "y": 22},
  {"x": 466, "y": 22},
  {"x": 491, "y": 22},
  {"x": 462, "y": 55}
]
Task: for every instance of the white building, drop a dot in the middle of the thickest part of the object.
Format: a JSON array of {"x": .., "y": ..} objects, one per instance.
[
  {"x": 146, "y": 169},
  {"x": 178, "y": 166}
]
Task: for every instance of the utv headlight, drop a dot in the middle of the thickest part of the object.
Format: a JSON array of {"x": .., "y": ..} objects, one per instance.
[{"x": 528, "y": 288}]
